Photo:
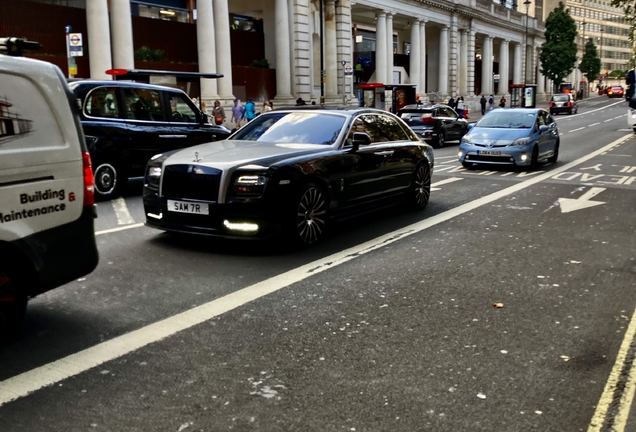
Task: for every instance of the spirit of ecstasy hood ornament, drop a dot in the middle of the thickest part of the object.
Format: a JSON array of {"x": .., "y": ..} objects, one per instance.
[{"x": 196, "y": 157}]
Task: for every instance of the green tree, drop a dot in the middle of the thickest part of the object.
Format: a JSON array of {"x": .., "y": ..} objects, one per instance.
[
  {"x": 629, "y": 7},
  {"x": 590, "y": 63},
  {"x": 558, "y": 52}
]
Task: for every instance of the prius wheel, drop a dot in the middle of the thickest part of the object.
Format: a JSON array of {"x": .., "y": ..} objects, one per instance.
[
  {"x": 310, "y": 217},
  {"x": 440, "y": 140},
  {"x": 555, "y": 155},
  {"x": 13, "y": 304},
  {"x": 534, "y": 161},
  {"x": 420, "y": 190},
  {"x": 107, "y": 180}
]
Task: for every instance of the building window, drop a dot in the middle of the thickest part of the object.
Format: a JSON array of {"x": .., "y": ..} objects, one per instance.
[{"x": 158, "y": 11}]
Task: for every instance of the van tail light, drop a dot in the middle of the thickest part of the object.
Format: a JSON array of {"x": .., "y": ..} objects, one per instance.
[
  {"x": 89, "y": 184},
  {"x": 428, "y": 119}
]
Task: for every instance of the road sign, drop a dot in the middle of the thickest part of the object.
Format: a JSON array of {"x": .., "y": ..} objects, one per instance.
[
  {"x": 569, "y": 205},
  {"x": 348, "y": 70},
  {"x": 496, "y": 77},
  {"x": 75, "y": 45}
]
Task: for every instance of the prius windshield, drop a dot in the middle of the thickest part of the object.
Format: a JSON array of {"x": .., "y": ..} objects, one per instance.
[
  {"x": 293, "y": 128},
  {"x": 507, "y": 120}
]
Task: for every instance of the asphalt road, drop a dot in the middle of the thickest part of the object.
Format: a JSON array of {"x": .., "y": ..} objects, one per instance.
[{"x": 388, "y": 325}]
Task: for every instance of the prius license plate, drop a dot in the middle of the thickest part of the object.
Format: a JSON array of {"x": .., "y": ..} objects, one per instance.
[
  {"x": 188, "y": 207},
  {"x": 489, "y": 152}
]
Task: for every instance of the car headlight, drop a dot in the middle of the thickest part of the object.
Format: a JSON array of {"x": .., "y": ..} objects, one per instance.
[
  {"x": 467, "y": 139},
  {"x": 521, "y": 141},
  {"x": 249, "y": 185},
  {"x": 153, "y": 176}
]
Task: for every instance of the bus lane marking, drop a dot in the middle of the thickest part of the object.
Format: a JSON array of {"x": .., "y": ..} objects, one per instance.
[
  {"x": 435, "y": 186},
  {"x": 74, "y": 364}
]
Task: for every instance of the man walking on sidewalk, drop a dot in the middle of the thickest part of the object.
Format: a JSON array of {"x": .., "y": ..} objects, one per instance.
[{"x": 482, "y": 102}]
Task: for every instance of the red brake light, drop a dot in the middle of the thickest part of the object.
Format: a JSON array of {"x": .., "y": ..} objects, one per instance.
[
  {"x": 551, "y": 104},
  {"x": 428, "y": 119},
  {"x": 569, "y": 104},
  {"x": 89, "y": 185}
]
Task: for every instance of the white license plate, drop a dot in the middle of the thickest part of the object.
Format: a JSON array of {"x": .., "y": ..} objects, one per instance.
[
  {"x": 489, "y": 152},
  {"x": 188, "y": 207},
  {"x": 559, "y": 104}
]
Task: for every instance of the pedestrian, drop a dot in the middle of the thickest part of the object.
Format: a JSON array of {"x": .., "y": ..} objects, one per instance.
[
  {"x": 460, "y": 106},
  {"x": 265, "y": 108},
  {"x": 502, "y": 102},
  {"x": 491, "y": 102},
  {"x": 218, "y": 113},
  {"x": 482, "y": 102},
  {"x": 237, "y": 113},
  {"x": 451, "y": 102},
  {"x": 300, "y": 102},
  {"x": 271, "y": 105},
  {"x": 250, "y": 111},
  {"x": 358, "y": 73}
]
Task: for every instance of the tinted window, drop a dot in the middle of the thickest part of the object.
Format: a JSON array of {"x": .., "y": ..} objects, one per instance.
[
  {"x": 102, "y": 102},
  {"x": 508, "y": 119},
  {"x": 294, "y": 127},
  {"x": 143, "y": 104},
  {"x": 180, "y": 111},
  {"x": 359, "y": 125},
  {"x": 561, "y": 98},
  {"x": 391, "y": 128},
  {"x": 448, "y": 112},
  {"x": 415, "y": 114}
]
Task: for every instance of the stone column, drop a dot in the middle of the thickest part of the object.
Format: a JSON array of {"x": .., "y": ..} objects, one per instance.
[
  {"x": 389, "y": 47},
  {"x": 206, "y": 49},
  {"x": 504, "y": 66},
  {"x": 302, "y": 49},
  {"x": 331, "y": 50},
  {"x": 380, "y": 49},
  {"x": 486, "y": 65},
  {"x": 344, "y": 38},
  {"x": 442, "y": 85},
  {"x": 540, "y": 78},
  {"x": 422, "y": 87},
  {"x": 121, "y": 33},
  {"x": 453, "y": 57},
  {"x": 98, "y": 39},
  {"x": 470, "y": 85},
  {"x": 224, "y": 50},
  {"x": 463, "y": 63},
  {"x": 517, "y": 66},
  {"x": 415, "y": 57}
]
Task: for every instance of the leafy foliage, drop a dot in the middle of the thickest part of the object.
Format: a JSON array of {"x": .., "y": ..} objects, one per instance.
[
  {"x": 558, "y": 52},
  {"x": 629, "y": 7},
  {"x": 264, "y": 63},
  {"x": 148, "y": 54},
  {"x": 591, "y": 63}
]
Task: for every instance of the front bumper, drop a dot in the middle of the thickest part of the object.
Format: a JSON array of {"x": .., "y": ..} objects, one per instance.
[
  {"x": 511, "y": 155},
  {"x": 268, "y": 218}
]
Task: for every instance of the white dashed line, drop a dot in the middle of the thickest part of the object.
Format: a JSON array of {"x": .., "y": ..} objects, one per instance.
[
  {"x": 618, "y": 117},
  {"x": 574, "y": 130},
  {"x": 124, "y": 228},
  {"x": 435, "y": 186},
  {"x": 594, "y": 124},
  {"x": 608, "y": 120}
]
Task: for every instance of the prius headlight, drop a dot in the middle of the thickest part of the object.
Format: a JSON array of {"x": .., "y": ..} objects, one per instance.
[
  {"x": 521, "y": 141},
  {"x": 249, "y": 185},
  {"x": 467, "y": 139}
]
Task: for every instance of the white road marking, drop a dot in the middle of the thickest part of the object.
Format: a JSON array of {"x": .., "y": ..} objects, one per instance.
[
  {"x": 589, "y": 112},
  {"x": 568, "y": 205},
  {"x": 619, "y": 117},
  {"x": 121, "y": 211},
  {"x": 435, "y": 186},
  {"x": 113, "y": 230},
  {"x": 74, "y": 364},
  {"x": 574, "y": 130},
  {"x": 444, "y": 157},
  {"x": 594, "y": 124},
  {"x": 608, "y": 120},
  {"x": 607, "y": 398}
]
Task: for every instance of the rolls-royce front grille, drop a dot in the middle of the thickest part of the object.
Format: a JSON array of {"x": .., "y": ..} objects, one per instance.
[{"x": 191, "y": 182}]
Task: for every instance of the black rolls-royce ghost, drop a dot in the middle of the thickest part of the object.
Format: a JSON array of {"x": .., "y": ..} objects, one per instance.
[{"x": 289, "y": 171}]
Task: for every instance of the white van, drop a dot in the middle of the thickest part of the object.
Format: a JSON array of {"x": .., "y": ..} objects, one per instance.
[{"x": 47, "y": 236}]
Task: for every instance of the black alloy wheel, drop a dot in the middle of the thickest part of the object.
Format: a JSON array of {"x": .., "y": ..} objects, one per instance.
[
  {"x": 13, "y": 302},
  {"x": 106, "y": 180},
  {"x": 440, "y": 140},
  {"x": 419, "y": 193},
  {"x": 534, "y": 161},
  {"x": 311, "y": 215},
  {"x": 555, "y": 155}
]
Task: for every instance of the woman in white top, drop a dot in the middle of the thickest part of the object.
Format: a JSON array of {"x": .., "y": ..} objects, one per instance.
[
  {"x": 460, "y": 106},
  {"x": 266, "y": 107}
]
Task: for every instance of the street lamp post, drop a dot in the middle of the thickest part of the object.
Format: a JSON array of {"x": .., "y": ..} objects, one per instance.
[
  {"x": 525, "y": 66},
  {"x": 322, "y": 57}
]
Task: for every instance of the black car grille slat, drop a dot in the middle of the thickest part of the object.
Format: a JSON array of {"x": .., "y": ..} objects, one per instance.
[
  {"x": 180, "y": 182},
  {"x": 480, "y": 158}
]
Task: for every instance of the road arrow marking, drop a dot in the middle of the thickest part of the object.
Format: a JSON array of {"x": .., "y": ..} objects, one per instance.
[
  {"x": 443, "y": 182},
  {"x": 569, "y": 205}
]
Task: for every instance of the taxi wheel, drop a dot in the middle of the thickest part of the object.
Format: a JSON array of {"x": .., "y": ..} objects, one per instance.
[
  {"x": 108, "y": 179},
  {"x": 534, "y": 161},
  {"x": 13, "y": 302},
  {"x": 420, "y": 191},
  {"x": 309, "y": 216}
]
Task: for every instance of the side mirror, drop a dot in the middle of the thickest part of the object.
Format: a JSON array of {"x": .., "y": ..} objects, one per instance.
[
  {"x": 543, "y": 128},
  {"x": 360, "y": 139}
]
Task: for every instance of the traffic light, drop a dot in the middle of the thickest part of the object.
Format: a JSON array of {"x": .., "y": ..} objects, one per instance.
[{"x": 15, "y": 47}]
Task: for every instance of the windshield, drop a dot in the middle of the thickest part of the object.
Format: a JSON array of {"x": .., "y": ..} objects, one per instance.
[
  {"x": 293, "y": 127},
  {"x": 415, "y": 114},
  {"x": 507, "y": 119}
]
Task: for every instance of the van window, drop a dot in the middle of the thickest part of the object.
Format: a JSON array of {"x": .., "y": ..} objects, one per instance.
[
  {"x": 143, "y": 104},
  {"x": 180, "y": 111},
  {"x": 102, "y": 102}
]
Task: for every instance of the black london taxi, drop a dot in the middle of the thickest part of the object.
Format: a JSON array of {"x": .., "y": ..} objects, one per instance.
[{"x": 126, "y": 123}]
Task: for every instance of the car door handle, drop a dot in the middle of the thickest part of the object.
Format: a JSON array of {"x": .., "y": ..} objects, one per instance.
[{"x": 384, "y": 153}]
